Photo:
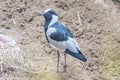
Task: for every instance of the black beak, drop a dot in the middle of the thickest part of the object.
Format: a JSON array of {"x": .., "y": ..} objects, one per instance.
[
  {"x": 40, "y": 14},
  {"x": 37, "y": 13}
]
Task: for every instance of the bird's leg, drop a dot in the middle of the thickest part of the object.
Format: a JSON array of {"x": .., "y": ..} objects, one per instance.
[
  {"x": 58, "y": 56},
  {"x": 65, "y": 65}
]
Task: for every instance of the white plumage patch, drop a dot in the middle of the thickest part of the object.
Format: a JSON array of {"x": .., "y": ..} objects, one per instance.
[
  {"x": 53, "y": 20},
  {"x": 50, "y": 31},
  {"x": 72, "y": 45}
]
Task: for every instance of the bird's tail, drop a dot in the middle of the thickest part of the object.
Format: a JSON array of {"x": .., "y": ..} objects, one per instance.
[{"x": 79, "y": 55}]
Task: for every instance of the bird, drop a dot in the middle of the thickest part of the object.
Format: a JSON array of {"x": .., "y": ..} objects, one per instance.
[{"x": 60, "y": 37}]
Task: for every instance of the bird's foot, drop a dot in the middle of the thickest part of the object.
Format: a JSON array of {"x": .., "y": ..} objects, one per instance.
[{"x": 65, "y": 68}]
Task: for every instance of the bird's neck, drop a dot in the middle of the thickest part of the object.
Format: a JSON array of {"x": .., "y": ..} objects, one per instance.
[{"x": 48, "y": 23}]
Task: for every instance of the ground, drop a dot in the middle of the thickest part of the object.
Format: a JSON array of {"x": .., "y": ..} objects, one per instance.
[{"x": 98, "y": 35}]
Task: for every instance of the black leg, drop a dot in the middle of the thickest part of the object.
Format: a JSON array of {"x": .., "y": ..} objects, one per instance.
[
  {"x": 58, "y": 56},
  {"x": 65, "y": 65}
]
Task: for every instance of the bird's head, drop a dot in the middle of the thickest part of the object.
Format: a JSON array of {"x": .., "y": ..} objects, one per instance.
[{"x": 49, "y": 15}]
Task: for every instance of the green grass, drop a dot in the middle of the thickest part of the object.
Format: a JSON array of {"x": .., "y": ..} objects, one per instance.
[
  {"x": 110, "y": 61},
  {"x": 46, "y": 76}
]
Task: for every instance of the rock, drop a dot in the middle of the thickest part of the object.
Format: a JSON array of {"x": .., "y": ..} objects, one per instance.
[
  {"x": 6, "y": 41},
  {"x": 9, "y": 52}
]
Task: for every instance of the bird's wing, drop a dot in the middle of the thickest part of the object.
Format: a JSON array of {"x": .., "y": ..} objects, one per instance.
[{"x": 61, "y": 32}]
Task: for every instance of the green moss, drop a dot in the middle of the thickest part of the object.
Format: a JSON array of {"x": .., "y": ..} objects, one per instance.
[
  {"x": 46, "y": 76},
  {"x": 110, "y": 61}
]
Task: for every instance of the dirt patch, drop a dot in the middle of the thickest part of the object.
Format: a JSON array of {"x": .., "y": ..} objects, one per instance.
[{"x": 99, "y": 26}]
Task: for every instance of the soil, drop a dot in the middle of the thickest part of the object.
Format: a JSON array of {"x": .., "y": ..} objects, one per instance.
[{"x": 98, "y": 35}]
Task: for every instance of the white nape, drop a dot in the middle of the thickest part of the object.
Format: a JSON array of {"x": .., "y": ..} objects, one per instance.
[{"x": 54, "y": 20}]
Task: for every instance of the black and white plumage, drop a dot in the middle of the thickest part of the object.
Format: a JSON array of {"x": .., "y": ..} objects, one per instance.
[{"x": 59, "y": 36}]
